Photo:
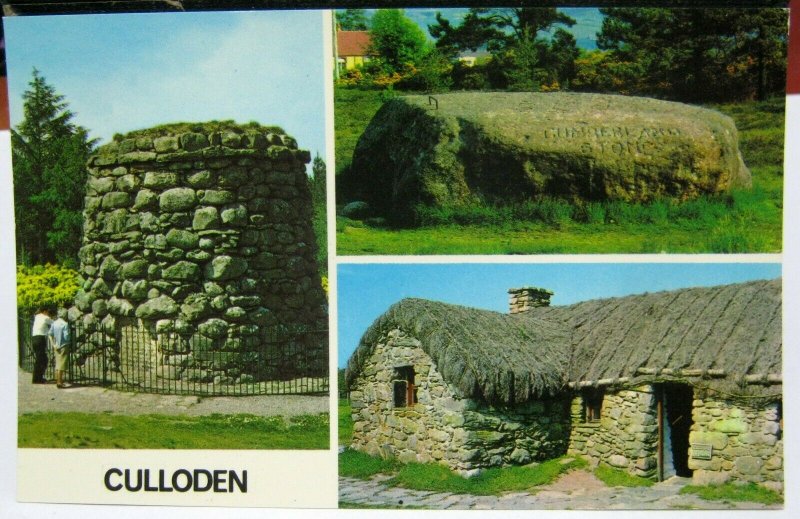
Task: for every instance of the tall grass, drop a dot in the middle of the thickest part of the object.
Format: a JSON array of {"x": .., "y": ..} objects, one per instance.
[{"x": 561, "y": 213}]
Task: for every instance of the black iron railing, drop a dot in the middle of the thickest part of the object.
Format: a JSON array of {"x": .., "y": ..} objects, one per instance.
[{"x": 155, "y": 358}]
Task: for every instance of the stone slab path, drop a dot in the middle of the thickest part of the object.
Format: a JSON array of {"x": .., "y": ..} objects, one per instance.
[
  {"x": 576, "y": 490},
  {"x": 90, "y": 399}
]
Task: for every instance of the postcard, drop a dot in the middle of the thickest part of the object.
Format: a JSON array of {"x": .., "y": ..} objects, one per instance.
[{"x": 531, "y": 259}]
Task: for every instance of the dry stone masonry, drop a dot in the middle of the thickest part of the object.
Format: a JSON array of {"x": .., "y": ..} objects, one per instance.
[
  {"x": 202, "y": 236},
  {"x": 441, "y": 427},
  {"x": 461, "y": 147},
  {"x": 625, "y": 436},
  {"x": 746, "y": 442}
]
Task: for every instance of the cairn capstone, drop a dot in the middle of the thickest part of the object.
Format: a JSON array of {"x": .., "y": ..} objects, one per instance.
[
  {"x": 177, "y": 228},
  {"x": 453, "y": 149}
]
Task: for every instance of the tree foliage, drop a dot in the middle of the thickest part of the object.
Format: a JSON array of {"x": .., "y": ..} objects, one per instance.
[
  {"x": 396, "y": 40},
  {"x": 698, "y": 55},
  {"x": 695, "y": 55},
  {"x": 495, "y": 28},
  {"x": 522, "y": 58},
  {"x": 49, "y": 165},
  {"x": 352, "y": 20}
]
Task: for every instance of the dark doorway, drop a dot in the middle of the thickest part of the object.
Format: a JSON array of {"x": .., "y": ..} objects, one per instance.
[{"x": 675, "y": 423}]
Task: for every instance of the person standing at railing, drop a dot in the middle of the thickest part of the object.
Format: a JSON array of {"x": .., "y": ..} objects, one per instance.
[
  {"x": 59, "y": 340},
  {"x": 41, "y": 327}
]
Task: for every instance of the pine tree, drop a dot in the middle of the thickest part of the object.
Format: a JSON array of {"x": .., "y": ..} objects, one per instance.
[
  {"x": 352, "y": 20},
  {"x": 699, "y": 55},
  {"x": 49, "y": 166}
]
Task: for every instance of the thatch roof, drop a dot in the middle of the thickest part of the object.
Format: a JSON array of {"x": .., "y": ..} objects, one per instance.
[
  {"x": 735, "y": 328},
  {"x": 481, "y": 353},
  {"x": 727, "y": 333}
]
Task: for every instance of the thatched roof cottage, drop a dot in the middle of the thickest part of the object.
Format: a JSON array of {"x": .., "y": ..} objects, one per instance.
[{"x": 685, "y": 382}]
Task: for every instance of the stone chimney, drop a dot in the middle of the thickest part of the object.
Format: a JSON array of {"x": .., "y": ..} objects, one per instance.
[{"x": 523, "y": 299}]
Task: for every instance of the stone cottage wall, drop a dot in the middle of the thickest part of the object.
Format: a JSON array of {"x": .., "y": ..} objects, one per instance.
[
  {"x": 626, "y": 436},
  {"x": 747, "y": 442},
  {"x": 203, "y": 240},
  {"x": 442, "y": 427}
]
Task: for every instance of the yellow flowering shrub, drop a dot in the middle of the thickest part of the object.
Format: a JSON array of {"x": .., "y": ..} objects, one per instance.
[{"x": 45, "y": 285}]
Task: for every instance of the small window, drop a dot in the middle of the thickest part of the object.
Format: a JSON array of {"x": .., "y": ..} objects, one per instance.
[
  {"x": 592, "y": 405},
  {"x": 405, "y": 392}
]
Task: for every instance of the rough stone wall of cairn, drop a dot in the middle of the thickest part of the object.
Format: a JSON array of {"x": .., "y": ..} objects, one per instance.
[
  {"x": 747, "y": 443},
  {"x": 626, "y": 436},
  {"x": 204, "y": 240},
  {"x": 442, "y": 427}
]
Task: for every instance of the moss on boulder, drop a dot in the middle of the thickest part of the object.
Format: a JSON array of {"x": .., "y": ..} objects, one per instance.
[{"x": 456, "y": 148}]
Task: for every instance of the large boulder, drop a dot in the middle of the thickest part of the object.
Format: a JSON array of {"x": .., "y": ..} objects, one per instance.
[{"x": 456, "y": 148}]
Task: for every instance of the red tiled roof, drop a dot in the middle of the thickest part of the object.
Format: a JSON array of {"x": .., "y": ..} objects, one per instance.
[{"x": 353, "y": 43}]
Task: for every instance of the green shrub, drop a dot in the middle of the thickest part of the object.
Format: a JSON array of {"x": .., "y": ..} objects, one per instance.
[{"x": 45, "y": 286}]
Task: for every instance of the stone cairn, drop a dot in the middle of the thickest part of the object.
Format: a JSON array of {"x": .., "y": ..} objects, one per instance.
[
  {"x": 203, "y": 240},
  {"x": 523, "y": 299}
]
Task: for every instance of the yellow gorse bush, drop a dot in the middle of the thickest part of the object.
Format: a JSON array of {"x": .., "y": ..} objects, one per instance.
[{"x": 45, "y": 285}]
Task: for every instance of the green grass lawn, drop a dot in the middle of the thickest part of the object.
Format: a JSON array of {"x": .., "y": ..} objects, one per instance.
[
  {"x": 345, "y": 423},
  {"x": 750, "y": 492},
  {"x": 112, "y": 431},
  {"x": 438, "y": 478},
  {"x": 743, "y": 221},
  {"x": 353, "y": 109},
  {"x": 614, "y": 477}
]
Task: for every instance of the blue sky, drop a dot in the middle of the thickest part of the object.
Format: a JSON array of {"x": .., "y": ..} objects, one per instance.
[
  {"x": 365, "y": 291},
  {"x": 125, "y": 72}
]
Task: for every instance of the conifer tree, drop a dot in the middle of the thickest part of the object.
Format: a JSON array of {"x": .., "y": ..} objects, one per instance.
[{"x": 49, "y": 155}]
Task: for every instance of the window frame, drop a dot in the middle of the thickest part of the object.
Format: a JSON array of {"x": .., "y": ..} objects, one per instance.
[
  {"x": 592, "y": 405},
  {"x": 405, "y": 378}
]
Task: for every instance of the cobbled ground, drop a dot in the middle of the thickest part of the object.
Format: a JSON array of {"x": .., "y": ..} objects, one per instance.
[{"x": 576, "y": 490}]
